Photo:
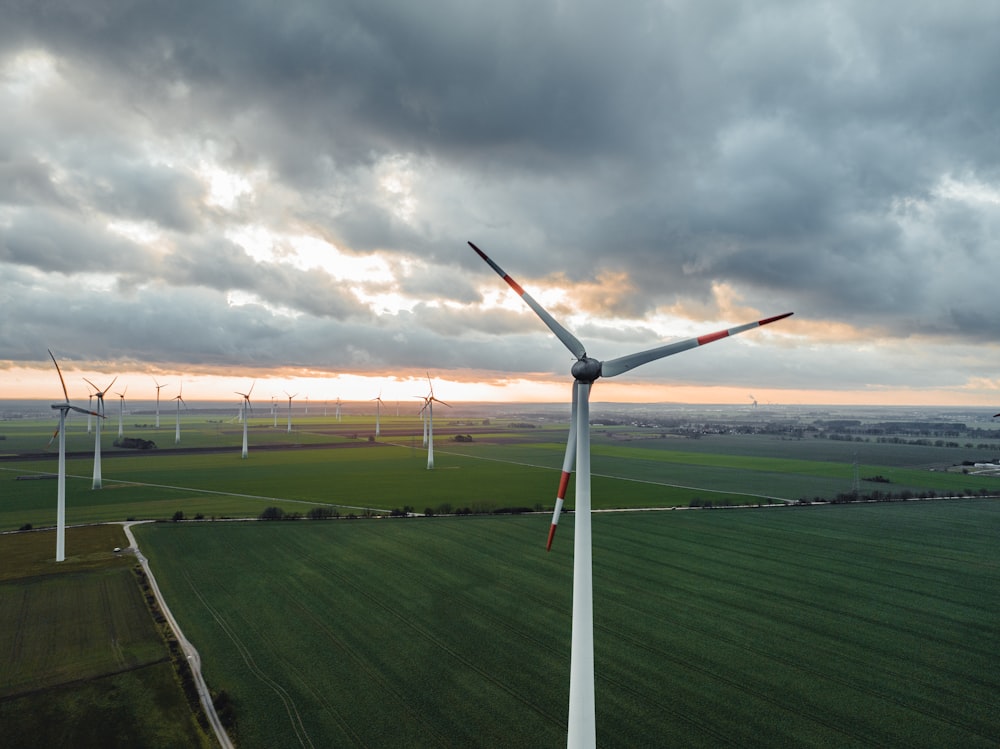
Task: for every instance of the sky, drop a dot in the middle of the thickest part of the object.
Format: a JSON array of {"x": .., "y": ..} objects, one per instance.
[{"x": 222, "y": 193}]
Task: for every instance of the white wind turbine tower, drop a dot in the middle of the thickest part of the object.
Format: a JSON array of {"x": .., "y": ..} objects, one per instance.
[
  {"x": 158, "y": 386},
  {"x": 429, "y": 406},
  {"x": 180, "y": 399},
  {"x": 274, "y": 413},
  {"x": 246, "y": 405},
  {"x": 338, "y": 408},
  {"x": 290, "y": 410},
  {"x": 97, "y": 432},
  {"x": 90, "y": 404},
  {"x": 121, "y": 412},
  {"x": 582, "y": 724},
  {"x": 378, "y": 412},
  {"x": 64, "y": 408}
]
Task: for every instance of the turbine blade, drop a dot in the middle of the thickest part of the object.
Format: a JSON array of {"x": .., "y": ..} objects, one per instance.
[
  {"x": 53, "y": 437},
  {"x": 631, "y": 361},
  {"x": 112, "y": 383},
  {"x": 567, "y": 471},
  {"x": 59, "y": 371},
  {"x": 569, "y": 340},
  {"x": 96, "y": 389},
  {"x": 85, "y": 411}
]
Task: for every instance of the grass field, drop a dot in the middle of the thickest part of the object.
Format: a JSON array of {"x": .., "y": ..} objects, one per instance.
[
  {"x": 502, "y": 467},
  {"x": 82, "y": 663},
  {"x": 861, "y": 625}
]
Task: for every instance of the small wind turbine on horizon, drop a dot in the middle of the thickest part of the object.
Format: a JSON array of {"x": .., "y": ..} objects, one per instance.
[
  {"x": 754, "y": 401},
  {"x": 158, "y": 386},
  {"x": 246, "y": 405},
  {"x": 180, "y": 399},
  {"x": 98, "y": 481},
  {"x": 121, "y": 412},
  {"x": 64, "y": 408},
  {"x": 338, "y": 408},
  {"x": 290, "y": 396},
  {"x": 582, "y": 725},
  {"x": 429, "y": 401}
]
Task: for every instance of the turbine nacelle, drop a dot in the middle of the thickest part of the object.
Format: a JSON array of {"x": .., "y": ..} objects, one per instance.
[{"x": 586, "y": 369}]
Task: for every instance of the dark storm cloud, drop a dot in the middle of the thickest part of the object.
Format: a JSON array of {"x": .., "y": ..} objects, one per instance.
[{"x": 837, "y": 159}]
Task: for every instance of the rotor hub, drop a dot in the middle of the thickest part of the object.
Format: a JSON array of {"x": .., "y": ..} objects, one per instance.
[{"x": 586, "y": 369}]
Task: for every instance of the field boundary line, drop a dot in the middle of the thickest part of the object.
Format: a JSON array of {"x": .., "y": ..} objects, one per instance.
[
  {"x": 217, "y": 492},
  {"x": 614, "y": 478},
  {"x": 193, "y": 658}
]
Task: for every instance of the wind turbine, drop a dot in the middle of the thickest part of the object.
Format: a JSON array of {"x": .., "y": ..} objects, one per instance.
[
  {"x": 586, "y": 370},
  {"x": 97, "y": 432},
  {"x": 158, "y": 386},
  {"x": 90, "y": 404},
  {"x": 179, "y": 398},
  {"x": 378, "y": 412},
  {"x": 121, "y": 412},
  {"x": 429, "y": 406},
  {"x": 338, "y": 408},
  {"x": 289, "y": 410},
  {"x": 754, "y": 401},
  {"x": 246, "y": 405},
  {"x": 64, "y": 408}
]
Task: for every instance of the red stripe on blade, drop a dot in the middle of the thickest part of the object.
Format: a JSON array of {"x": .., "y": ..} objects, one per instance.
[
  {"x": 702, "y": 340},
  {"x": 552, "y": 533},
  {"x": 514, "y": 285},
  {"x": 563, "y": 483},
  {"x": 776, "y": 318}
]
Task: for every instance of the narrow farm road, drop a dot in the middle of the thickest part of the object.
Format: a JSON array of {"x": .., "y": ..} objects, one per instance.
[{"x": 194, "y": 660}]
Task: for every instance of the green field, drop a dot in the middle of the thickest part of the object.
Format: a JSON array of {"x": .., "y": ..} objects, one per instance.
[
  {"x": 83, "y": 662},
  {"x": 502, "y": 467},
  {"x": 862, "y": 625},
  {"x": 850, "y": 626}
]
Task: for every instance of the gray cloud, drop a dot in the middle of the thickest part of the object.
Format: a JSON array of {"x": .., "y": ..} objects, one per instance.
[{"x": 835, "y": 159}]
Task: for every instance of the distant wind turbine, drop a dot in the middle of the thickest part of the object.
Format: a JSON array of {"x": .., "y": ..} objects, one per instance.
[
  {"x": 90, "y": 404},
  {"x": 582, "y": 723},
  {"x": 180, "y": 399},
  {"x": 121, "y": 412},
  {"x": 754, "y": 401},
  {"x": 97, "y": 483},
  {"x": 290, "y": 410},
  {"x": 338, "y": 408},
  {"x": 64, "y": 408},
  {"x": 378, "y": 412},
  {"x": 158, "y": 386},
  {"x": 246, "y": 405},
  {"x": 429, "y": 405}
]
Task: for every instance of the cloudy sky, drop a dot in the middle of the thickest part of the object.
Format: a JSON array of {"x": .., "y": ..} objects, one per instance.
[{"x": 223, "y": 191}]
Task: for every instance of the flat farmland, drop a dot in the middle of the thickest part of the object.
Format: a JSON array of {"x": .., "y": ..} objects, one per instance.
[
  {"x": 82, "y": 662},
  {"x": 504, "y": 466},
  {"x": 856, "y": 625}
]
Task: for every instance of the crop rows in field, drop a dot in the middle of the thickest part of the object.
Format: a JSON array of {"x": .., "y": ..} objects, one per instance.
[{"x": 847, "y": 626}]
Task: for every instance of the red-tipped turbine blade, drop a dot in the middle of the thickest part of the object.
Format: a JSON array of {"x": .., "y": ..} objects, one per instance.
[
  {"x": 52, "y": 438},
  {"x": 59, "y": 371},
  {"x": 569, "y": 340},
  {"x": 631, "y": 361},
  {"x": 567, "y": 471}
]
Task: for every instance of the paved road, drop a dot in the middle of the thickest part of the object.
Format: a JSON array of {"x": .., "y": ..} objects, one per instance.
[{"x": 194, "y": 660}]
